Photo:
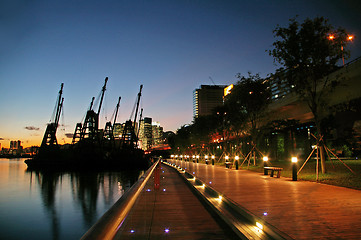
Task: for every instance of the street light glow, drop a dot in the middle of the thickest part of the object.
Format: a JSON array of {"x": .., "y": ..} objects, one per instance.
[
  {"x": 265, "y": 159},
  {"x": 331, "y": 37},
  {"x": 206, "y": 156},
  {"x": 236, "y": 157},
  {"x": 294, "y": 159}
]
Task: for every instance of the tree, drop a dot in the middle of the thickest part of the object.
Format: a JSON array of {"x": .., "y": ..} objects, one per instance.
[
  {"x": 309, "y": 52},
  {"x": 248, "y": 101}
]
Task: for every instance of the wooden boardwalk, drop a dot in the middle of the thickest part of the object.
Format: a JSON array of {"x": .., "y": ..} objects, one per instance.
[
  {"x": 171, "y": 212},
  {"x": 303, "y": 210}
]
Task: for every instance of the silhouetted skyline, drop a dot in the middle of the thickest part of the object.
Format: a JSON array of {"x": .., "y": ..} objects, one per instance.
[{"x": 171, "y": 47}]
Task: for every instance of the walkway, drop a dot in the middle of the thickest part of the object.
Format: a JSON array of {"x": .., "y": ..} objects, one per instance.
[
  {"x": 172, "y": 212},
  {"x": 303, "y": 210}
]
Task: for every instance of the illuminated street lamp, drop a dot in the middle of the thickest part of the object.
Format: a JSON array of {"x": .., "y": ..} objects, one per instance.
[
  {"x": 206, "y": 159},
  {"x": 294, "y": 168},
  {"x": 331, "y": 37},
  {"x": 265, "y": 164},
  {"x": 197, "y": 158},
  {"x": 236, "y": 162},
  {"x": 213, "y": 157}
]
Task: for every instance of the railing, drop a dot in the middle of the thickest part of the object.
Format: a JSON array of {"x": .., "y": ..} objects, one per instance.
[{"x": 107, "y": 226}]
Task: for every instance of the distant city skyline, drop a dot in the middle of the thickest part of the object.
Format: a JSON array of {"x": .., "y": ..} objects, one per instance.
[{"x": 171, "y": 47}]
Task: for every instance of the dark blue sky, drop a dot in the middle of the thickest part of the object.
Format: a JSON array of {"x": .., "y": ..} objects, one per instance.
[{"x": 171, "y": 47}]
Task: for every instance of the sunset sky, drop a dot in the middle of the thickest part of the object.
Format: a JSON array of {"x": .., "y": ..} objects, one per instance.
[{"x": 169, "y": 46}]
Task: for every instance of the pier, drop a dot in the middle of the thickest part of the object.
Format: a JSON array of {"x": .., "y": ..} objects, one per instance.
[{"x": 186, "y": 200}]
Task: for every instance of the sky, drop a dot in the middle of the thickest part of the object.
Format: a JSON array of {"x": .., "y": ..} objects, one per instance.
[{"x": 169, "y": 46}]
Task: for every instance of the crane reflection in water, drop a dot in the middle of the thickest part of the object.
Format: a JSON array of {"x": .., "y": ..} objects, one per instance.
[{"x": 88, "y": 193}]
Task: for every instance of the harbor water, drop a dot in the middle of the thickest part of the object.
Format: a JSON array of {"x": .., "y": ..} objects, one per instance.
[{"x": 55, "y": 205}]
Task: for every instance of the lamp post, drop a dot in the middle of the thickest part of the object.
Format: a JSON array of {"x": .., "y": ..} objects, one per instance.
[
  {"x": 236, "y": 162},
  {"x": 294, "y": 168},
  {"x": 265, "y": 164},
  {"x": 331, "y": 37},
  {"x": 213, "y": 157}
]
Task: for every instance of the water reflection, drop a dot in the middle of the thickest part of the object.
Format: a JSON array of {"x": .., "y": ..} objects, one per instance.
[{"x": 91, "y": 193}]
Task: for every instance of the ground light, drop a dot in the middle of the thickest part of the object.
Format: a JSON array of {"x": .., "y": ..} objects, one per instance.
[
  {"x": 259, "y": 227},
  {"x": 265, "y": 164},
  {"x": 294, "y": 168}
]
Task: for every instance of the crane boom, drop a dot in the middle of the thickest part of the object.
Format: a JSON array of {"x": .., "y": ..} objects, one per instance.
[
  {"x": 103, "y": 91},
  {"x": 116, "y": 111},
  {"x": 138, "y": 101}
]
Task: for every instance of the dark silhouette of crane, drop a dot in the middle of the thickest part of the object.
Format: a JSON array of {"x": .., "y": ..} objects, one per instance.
[
  {"x": 49, "y": 138},
  {"x": 129, "y": 137}
]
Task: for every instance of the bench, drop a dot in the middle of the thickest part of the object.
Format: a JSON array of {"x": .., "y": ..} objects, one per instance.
[
  {"x": 228, "y": 164},
  {"x": 273, "y": 170}
]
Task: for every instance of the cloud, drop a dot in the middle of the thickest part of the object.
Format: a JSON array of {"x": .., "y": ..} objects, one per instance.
[
  {"x": 69, "y": 135},
  {"x": 32, "y": 128},
  {"x": 1, "y": 138}
]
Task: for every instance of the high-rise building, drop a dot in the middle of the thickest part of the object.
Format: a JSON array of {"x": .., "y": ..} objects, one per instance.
[
  {"x": 206, "y": 98},
  {"x": 157, "y": 132},
  {"x": 146, "y": 133},
  {"x": 150, "y": 134},
  {"x": 15, "y": 145}
]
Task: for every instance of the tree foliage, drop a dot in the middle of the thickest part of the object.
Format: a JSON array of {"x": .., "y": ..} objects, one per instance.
[
  {"x": 310, "y": 52},
  {"x": 248, "y": 101}
]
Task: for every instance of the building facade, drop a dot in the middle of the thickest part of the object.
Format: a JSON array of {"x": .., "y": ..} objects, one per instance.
[
  {"x": 206, "y": 98},
  {"x": 146, "y": 133}
]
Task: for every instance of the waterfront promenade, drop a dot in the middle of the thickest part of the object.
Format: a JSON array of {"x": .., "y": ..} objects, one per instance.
[
  {"x": 301, "y": 209},
  {"x": 171, "y": 212}
]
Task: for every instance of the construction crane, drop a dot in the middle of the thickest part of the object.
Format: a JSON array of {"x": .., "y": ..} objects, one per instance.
[
  {"x": 109, "y": 127},
  {"x": 90, "y": 127},
  {"x": 49, "y": 138},
  {"x": 79, "y": 126},
  {"x": 212, "y": 81},
  {"x": 129, "y": 138}
]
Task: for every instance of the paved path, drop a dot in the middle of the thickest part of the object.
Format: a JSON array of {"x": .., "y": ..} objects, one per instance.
[
  {"x": 303, "y": 210},
  {"x": 172, "y": 212}
]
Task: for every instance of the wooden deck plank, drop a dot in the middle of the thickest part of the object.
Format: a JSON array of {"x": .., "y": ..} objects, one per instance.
[
  {"x": 303, "y": 210},
  {"x": 172, "y": 207}
]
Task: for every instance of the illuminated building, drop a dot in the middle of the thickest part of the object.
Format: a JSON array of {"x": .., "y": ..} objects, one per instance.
[
  {"x": 145, "y": 133},
  {"x": 206, "y": 98},
  {"x": 150, "y": 134},
  {"x": 157, "y": 132}
]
